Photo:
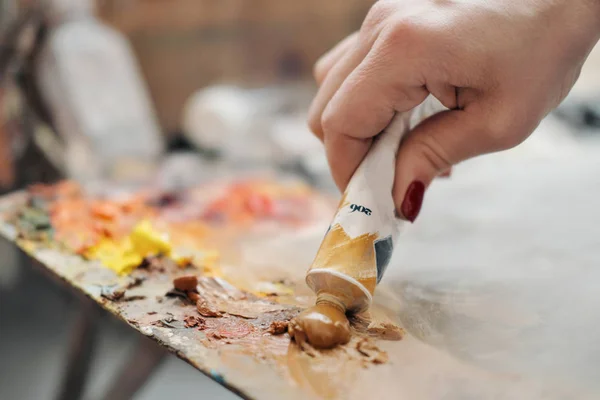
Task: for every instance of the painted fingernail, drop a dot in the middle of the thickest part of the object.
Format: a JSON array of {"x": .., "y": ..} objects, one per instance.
[{"x": 411, "y": 205}]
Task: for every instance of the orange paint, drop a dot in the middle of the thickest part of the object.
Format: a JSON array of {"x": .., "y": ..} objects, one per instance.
[{"x": 84, "y": 224}]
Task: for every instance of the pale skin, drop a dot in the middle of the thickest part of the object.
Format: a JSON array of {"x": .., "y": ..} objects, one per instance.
[{"x": 500, "y": 66}]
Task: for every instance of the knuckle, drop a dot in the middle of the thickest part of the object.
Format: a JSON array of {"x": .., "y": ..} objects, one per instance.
[
  {"x": 506, "y": 133},
  {"x": 403, "y": 30},
  {"x": 319, "y": 71},
  {"x": 378, "y": 13},
  {"x": 330, "y": 122},
  {"x": 407, "y": 35},
  {"x": 314, "y": 124},
  {"x": 431, "y": 151}
]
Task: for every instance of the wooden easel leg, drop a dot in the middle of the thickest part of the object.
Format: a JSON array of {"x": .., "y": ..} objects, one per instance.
[
  {"x": 80, "y": 353},
  {"x": 146, "y": 358}
]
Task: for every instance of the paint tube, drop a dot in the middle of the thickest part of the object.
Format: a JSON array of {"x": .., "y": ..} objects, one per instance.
[{"x": 359, "y": 243}]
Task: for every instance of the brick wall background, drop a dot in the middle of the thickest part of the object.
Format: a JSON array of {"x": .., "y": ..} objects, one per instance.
[{"x": 183, "y": 45}]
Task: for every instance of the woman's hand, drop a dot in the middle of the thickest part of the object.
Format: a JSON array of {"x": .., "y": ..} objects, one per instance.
[{"x": 499, "y": 66}]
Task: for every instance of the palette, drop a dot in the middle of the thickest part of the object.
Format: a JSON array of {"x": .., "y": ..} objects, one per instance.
[
  {"x": 249, "y": 243},
  {"x": 125, "y": 249}
]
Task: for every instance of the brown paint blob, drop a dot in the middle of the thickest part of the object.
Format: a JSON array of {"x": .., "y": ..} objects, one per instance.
[
  {"x": 278, "y": 327},
  {"x": 186, "y": 283},
  {"x": 192, "y": 321},
  {"x": 323, "y": 326},
  {"x": 193, "y": 296}
]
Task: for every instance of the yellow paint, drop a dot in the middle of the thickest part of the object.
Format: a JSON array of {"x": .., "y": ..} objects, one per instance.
[
  {"x": 208, "y": 260},
  {"x": 27, "y": 246},
  {"x": 147, "y": 241},
  {"x": 210, "y": 263},
  {"x": 265, "y": 289},
  {"x": 119, "y": 256},
  {"x": 125, "y": 255},
  {"x": 182, "y": 260}
]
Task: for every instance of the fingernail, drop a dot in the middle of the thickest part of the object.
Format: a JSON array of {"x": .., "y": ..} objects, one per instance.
[{"x": 413, "y": 199}]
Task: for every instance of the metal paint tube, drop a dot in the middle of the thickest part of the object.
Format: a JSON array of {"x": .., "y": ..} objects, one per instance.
[{"x": 359, "y": 243}]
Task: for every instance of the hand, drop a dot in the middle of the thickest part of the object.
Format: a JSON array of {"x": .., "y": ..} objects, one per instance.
[{"x": 499, "y": 66}]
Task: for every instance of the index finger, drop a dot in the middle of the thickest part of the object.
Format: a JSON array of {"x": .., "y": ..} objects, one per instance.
[
  {"x": 364, "y": 105},
  {"x": 329, "y": 59}
]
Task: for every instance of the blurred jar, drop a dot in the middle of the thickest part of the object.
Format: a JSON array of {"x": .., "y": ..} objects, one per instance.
[
  {"x": 92, "y": 86},
  {"x": 230, "y": 121},
  {"x": 252, "y": 128}
]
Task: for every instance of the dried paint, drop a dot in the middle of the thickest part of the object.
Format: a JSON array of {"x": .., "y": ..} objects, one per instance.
[
  {"x": 192, "y": 321},
  {"x": 112, "y": 293},
  {"x": 207, "y": 310},
  {"x": 249, "y": 309},
  {"x": 373, "y": 354},
  {"x": 386, "y": 331},
  {"x": 193, "y": 297},
  {"x": 231, "y": 329},
  {"x": 278, "y": 327},
  {"x": 376, "y": 324},
  {"x": 33, "y": 223},
  {"x": 186, "y": 283}
]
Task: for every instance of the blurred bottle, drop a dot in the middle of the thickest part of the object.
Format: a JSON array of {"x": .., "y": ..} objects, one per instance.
[
  {"x": 233, "y": 122},
  {"x": 92, "y": 85},
  {"x": 252, "y": 128}
]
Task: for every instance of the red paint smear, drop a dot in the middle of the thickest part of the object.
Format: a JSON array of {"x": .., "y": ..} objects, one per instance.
[{"x": 231, "y": 329}]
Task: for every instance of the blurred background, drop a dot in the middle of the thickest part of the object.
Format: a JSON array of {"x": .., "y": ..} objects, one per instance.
[{"x": 168, "y": 93}]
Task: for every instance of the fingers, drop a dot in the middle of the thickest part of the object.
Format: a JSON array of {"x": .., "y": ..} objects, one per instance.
[
  {"x": 347, "y": 62},
  {"x": 345, "y": 154},
  {"x": 436, "y": 144},
  {"x": 364, "y": 105},
  {"x": 329, "y": 59},
  {"x": 330, "y": 85}
]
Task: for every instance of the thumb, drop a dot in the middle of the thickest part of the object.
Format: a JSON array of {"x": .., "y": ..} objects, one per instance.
[{"x": 430, "y": 149}]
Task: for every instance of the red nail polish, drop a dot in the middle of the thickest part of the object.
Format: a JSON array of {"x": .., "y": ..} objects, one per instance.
[{"x": 411, "y": 205}]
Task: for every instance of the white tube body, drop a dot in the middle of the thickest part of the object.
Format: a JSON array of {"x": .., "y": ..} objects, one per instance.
[{"x": 359, "y": 243}]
